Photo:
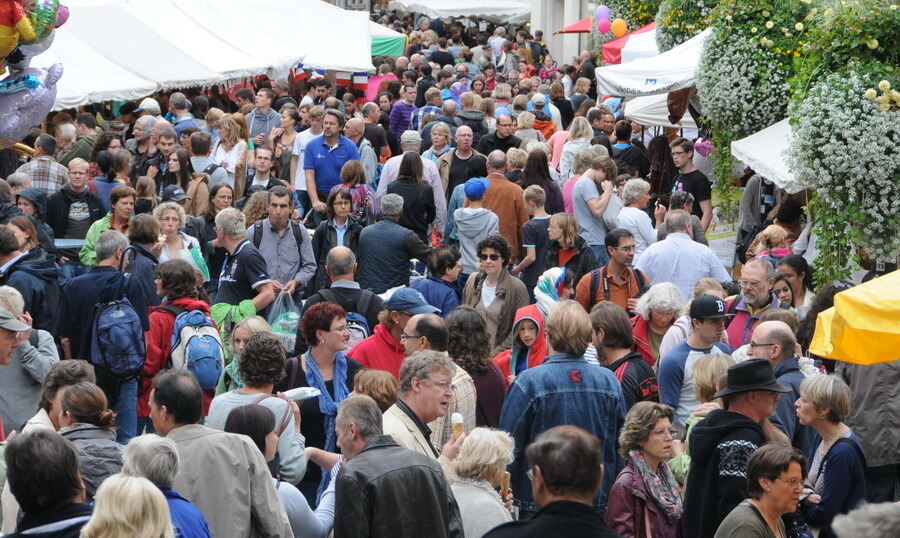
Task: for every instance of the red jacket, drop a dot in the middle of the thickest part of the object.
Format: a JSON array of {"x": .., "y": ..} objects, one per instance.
[
  {"x": 159, "y": 341},
  {"x": 379, "y": 351},
  {"x": 641, "y": 342},
  {"x": 538, "y": 351}
]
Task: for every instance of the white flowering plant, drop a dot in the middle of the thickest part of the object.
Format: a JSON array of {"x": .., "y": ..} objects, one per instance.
[
  {"x": 679, "y": 20},
  {"x": 637, "y": 13}
]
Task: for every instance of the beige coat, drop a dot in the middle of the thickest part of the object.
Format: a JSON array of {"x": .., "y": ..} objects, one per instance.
[
  {"x": 225, "y": 476},
  {"x": 198, "y": 192},
  {"x": 398, "y": 425}
]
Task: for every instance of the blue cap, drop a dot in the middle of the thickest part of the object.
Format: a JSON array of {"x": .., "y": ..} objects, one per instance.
[
  {"x": 174, "y": 193},
  {"x": 410, "y": 300},
  {"x": 476, "y": 187}
]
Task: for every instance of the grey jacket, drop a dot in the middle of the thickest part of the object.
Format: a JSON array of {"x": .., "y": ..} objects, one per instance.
[
  {"x": 99, "y": 455},
  {"x": 874, "y": 414},
  {"x": 474, "y": 224},
  {"x": 21, "y": 380}
]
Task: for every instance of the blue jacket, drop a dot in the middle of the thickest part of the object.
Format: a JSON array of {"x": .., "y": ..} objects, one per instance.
[
  {"x": 187, "y": 520},
  {"x": 564, "y": 390},
  {"x": 787, "y": 372},
  {"x": 438, "y": 293},
  {"x": 845, "y": 483}
]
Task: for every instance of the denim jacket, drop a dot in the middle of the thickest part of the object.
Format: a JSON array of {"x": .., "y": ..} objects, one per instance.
[{"x": 563, "y": 390}]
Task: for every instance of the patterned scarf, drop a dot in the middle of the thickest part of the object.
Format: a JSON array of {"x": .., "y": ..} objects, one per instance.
[
  {"x": 546, "y": 293},
  {"x": 328, "y": 406},
  {"x": 661, "y": 485}
]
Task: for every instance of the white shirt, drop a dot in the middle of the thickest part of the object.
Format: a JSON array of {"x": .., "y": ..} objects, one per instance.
[
  {"x": 682, "y": 261},
  {"x": 638, "y": 222},
  {"x": 488, "y": 294},
  {"x": 299, "y": 150}
]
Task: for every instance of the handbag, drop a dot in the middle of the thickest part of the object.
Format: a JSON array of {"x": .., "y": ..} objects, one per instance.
[{"x": 795, "y": 526}]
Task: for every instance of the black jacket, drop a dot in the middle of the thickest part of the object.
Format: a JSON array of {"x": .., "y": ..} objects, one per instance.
[
  {"x": 323, "y": 241},
  {"x": 421, "y": 88},
  {"x": 562, "y": 519},
  {"x": 720, "y": 447},
  {"x": 635, "y": 157},
  {"x": 637, "y": 378},
  {"x": 418, "y": 207},
  {"x": 582, "y": 263},
  {"x": 389, "y": 491},
  {"x": 58, "y": 209},
  {"x": 385, "y": 249},
  {"x": 36, "y": 276},
  {"x": 60, "y": 522},
  {"x": 142, "y": 267}
]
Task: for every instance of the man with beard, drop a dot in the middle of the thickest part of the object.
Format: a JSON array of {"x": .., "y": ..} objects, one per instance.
[
  {"x": 756, "y": 297},
  {"x": 140, "y": 146},
  {"x": 616, "y": 281}
]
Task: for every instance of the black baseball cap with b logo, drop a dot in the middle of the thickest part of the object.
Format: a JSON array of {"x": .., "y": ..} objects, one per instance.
[{"x": 708, "y": 307}]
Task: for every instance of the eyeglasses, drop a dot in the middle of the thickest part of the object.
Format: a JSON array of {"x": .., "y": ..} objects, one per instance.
[
  {"x": 661, "y": 433},
  {"x": 342, "y": 328},
  {"x": 677, "y": 153},
  {"x": 754, "y": 345},
  {"x": 443, "y": 385},
  {"x": 493, "y": 257},
  {"x": 341, "y": 202},
  {"x": 750, "y": 283},
  {"x": 404, "y": 336},
  {"x": 794, "y": 483}
]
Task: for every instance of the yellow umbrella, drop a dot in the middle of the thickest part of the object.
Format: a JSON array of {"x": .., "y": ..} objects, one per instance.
[{"x": 863, "y": 326}]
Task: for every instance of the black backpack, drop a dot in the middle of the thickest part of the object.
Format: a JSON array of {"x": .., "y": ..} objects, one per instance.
[
  {"x": 258, "y": 234},
  {"x": 595, "y": 283}
]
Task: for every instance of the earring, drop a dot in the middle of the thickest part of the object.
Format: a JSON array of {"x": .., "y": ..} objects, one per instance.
[{"x": 822, "y": 416}]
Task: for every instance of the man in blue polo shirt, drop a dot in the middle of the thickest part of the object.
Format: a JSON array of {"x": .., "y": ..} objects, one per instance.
[
  {"x": 324, "y": 158},
  {"x": 244, "y": 274}
]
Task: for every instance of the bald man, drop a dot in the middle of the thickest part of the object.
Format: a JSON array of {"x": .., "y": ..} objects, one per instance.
[
  {"x": 775, "y": 342},
  {"x": 354, "y": 130}
]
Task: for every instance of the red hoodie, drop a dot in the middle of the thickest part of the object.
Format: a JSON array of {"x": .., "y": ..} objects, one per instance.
[
  {"x": 379, "y": 352},
  {"x": 159, "y": 341},
  {"x": 538, "y": 351}
]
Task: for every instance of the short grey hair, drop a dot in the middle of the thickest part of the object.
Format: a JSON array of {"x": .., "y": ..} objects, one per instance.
[
  {"x": 108, "y": 243},
  {"x": 634, "y": 189},
  {"x": 12, "y": 300},
  {"x": 152, "y": 457},
  {"x": 232, "y": 222},
  {"x": 678, "y": 220},
  {"x": 367, "y": 108},
  {"x": 587, "y": 158},
  {"x": 497, "y": 159},
  {"x": 392, "y": 205},
  {"x": 421, "y": 365},
  {"x": 147, "y": 122},
  {"x": 759, "y": 262},
  {"x": 869, "y": 521},
  {"x": 662, "y": 296},
  {"x": 18, "y": 179},
  {"x": 340, "y": 262},
  {"x": 179, "y": 101},
  {"x": 170, "y": 206},
  {"x": 362, "y": 411},
  {"x": 65, "y": 133}
]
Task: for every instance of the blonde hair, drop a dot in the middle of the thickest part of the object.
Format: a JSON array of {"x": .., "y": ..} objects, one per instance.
[
  {"x": 380, "y": 385},
  {"x": 253, "y": 325},
  {"x": 170, "y": 206},
  {"x": 129, "y": 506},
  {"x": 773, "y": 236},
  {"x": 569, "y": 227},
  {"x": 568, "y": 328},
  {"x": 484, "y": 453},
  {"x": 580, "y": 128},
  {"x": 257, "y": 207},
  {"x": 503, "y": 91},
  {"x": 707, "y": 371},
  {"x": 827, "y": 392},
  {"x": 525, "y": 120},
  {"x": 515, "y": 158},
  {"x": 228, "y": 125},
  {"x": 639, "y": 422}
]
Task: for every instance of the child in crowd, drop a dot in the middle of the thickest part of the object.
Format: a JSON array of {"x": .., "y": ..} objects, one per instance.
[
  {"x": 534, "y": 238},
  {"x": 474, "y": 222}
]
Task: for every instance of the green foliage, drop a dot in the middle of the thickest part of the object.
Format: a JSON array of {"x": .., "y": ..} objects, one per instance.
[
  {"x": 637, "y": 13},
  {"x": 679, "y": 20}
]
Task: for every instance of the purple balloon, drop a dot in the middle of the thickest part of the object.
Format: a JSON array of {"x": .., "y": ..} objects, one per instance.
[
  {"x": 603, "y": 26},
  {"x": 602, "y": 12},
  {"x": 20, "y": 111}
]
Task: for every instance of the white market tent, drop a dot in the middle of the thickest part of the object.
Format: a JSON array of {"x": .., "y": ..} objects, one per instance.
[
  {"x": 672, "y": 70},
  {"x": 497, "y": 11},
  {"x": 764, "y": 153},
  {"x": 653, "y": 110},
  {"x": 125, "y": 49}
]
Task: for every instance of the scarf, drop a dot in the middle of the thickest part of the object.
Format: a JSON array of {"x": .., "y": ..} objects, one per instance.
[
  {"x": 546, "y": 293},
  {"x": 328, "y": 406},
  {"x": 661, "y": 485}
]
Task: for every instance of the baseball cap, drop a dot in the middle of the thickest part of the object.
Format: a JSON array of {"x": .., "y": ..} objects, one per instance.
[
  {"x": 127, "y": 108},
  {"x": 708, "y": 307},
  {"x": 539, "y": 100},
  {"x": 410, "y": 137},
  {"x": 10, "y": 323},
  {"x": 174, "y": 193},
  {"x": 476, "y": 187},
  {"x": 149, "y": 104},
  {"x": 410, "y": 300}
]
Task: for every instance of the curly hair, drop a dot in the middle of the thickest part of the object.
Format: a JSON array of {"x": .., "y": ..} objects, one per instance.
[
  {"x": 380, "y": 385},
  {"x": 498, "y": 243},
  {"x": 319, "y": 317},
  {"x": 639, "y": 422},
  {"x": 262, "y": 361},
  {"x": 257, "y": 207},
  {"x": 469, "y": 344},
  {"x": 177, "y": 279}
]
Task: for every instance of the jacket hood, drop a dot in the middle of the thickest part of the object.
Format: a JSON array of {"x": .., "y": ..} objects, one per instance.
[
  {"x": 708, "y": 433},
  {"x": 540, "y": 115},
  {"x": 38, "y": 264},
  {"x": 538, "y": 351},
  {"x": 471, "y": 115},
  {"x": 38, "y": 198},
  {"x": 187, "y": 304},
  {"x": 472, "y": 221}
]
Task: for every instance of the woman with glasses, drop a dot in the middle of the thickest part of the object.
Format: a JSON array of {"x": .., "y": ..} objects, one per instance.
[
  {"x": 836, "y": 481},
  {"x": 493, "y": 292},
  {"x": 337, "y": 230},
  {"x": 645, "y": 500},
  {"x": 774, "y": 482}
]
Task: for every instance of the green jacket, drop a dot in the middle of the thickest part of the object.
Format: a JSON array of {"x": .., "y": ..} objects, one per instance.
[
  {"x": 88, "y": 253},
  {"x": 80, "y": 148}
]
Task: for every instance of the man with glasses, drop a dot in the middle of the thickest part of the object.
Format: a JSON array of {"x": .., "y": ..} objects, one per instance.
[
  {"x": 691, "y": 180},
  {"x": 70, "y": 212},
  {"x": 426, "y": 387},
  {"x": 756, "y": 297},
  {"x": 616, "y": 281},
  {"x": 502, "y": 139},
  {"x": 676, "y": 368},
  {"x": 11, "y": 335}
]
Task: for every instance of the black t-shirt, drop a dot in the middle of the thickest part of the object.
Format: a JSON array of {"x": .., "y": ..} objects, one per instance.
[
  {"x": 637, "y": 379},
  {"x": 241, "y": 273},
  {"x": 534, "y": 234},
  {"x": 442, "y": 58},
  {"x": 462, "y": 170},
  {"x": 697, "y": 184},
  {"x": 374, "y": 133}
]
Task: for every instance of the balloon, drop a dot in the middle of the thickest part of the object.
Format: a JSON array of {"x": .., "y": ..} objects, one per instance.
[
  {"x": 62, "y": 16},
  {"x": 43, "y": 19},
  {"x": 603, "y": 26},
  {"x": 22, "y": 110},
  {"x": 602, "y": 12},
  {"x": 619, "y": 27}
]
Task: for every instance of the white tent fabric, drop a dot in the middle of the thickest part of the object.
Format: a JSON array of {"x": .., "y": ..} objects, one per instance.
[
  {"x": 652, "y": 110},
  {"x": 764, "y": 153},
  {"x": 672, "y": 70},
  {"x": 503, "y": 11},
  {"x": 641, "y": 45}
]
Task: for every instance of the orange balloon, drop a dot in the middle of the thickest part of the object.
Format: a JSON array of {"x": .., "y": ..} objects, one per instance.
[{"x": 619, "y": 27}]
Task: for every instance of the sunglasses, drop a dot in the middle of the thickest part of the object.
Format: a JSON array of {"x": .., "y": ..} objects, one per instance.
[{"x": 493, "y": 257}]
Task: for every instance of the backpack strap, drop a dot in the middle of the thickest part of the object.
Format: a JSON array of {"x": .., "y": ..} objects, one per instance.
[
  {"x": 595, "y": 283},
  {"x": 298, "y": 237},
  {"x": 174, "y": 310},
  {"x": 295, "y": 366},
  {"x": 328, "y": 295},
  {"x": 639, "y": 278},
  {"x": 365, "y": 300},
  {"x": 210, "y": 169},
  {"x": 730, "y": 311},
  {"x": 257, "y": 234},
  {"x": 287, "y": 414}
]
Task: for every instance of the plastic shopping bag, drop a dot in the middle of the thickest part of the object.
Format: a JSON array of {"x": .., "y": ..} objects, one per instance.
[{"x": 284, "y": 318}]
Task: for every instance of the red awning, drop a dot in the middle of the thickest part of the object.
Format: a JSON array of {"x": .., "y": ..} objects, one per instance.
[
  {"x": 612, "y": 50},
  {"x": 581, "y": 27}
]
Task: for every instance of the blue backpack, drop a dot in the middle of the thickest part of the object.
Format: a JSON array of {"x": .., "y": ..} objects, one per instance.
[
  {"x": 117, "y": 343},
  {"x": 196, "y": 346}
]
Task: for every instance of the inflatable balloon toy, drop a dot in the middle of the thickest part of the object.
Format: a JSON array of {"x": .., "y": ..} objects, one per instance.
[
  {"x": 619, "y": 27},
  {"x": 603, "y": 26},
  {"x": 22, "y": 110},
  {"x": 15, "y": 28}
]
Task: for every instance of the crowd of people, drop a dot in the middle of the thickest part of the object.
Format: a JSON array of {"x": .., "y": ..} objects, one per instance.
[{"x": 470, "y": 300}]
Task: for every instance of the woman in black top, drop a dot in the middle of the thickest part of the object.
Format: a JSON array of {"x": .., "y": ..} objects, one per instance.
[
  {"x": 418, "y": 198},
  {"x": 338, "y": 207},
  {"x": 537, "y": 172},
  {"x": 220, "y": 196},
  {"x": 558, "y": 98}
]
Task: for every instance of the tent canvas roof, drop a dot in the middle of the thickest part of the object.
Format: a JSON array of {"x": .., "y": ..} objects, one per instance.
[
  {"x": 764, "y": 153},
  {"x": 498, "y": 11}
]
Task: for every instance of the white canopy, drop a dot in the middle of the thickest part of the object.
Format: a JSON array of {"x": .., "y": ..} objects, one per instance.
[
  {"x": 498, "y": 11},
  {"x": 672, "y": 70},
  {"x": 764, "y": 153},
  {"x": 653, "y": 110}
]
